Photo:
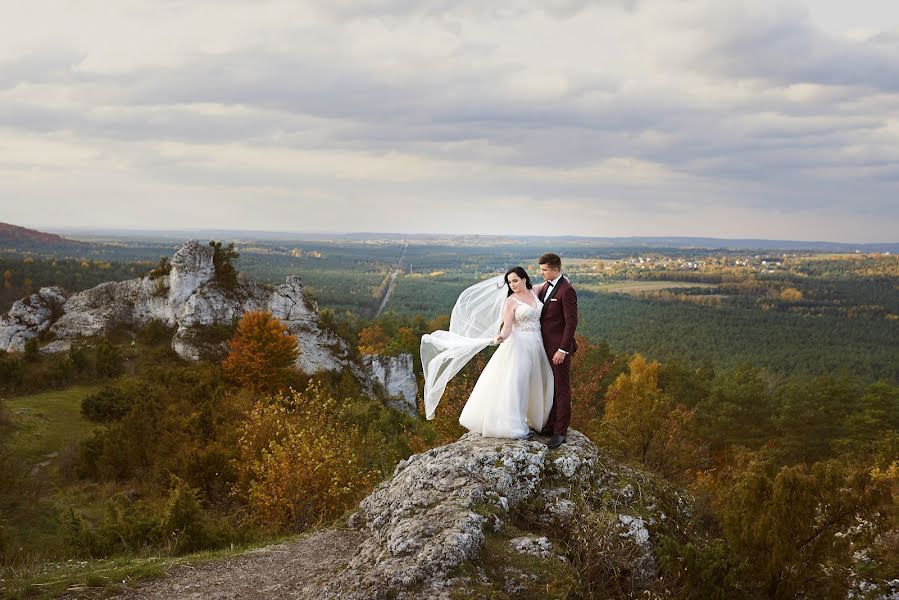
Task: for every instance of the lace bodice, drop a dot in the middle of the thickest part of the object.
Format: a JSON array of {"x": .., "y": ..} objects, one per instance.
[{"x": 527, "y": 317}]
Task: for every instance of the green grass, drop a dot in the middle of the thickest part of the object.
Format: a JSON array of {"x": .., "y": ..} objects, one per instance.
[
  {"x": 48, "y": 422},
  {"x": 45, "y": 427}
]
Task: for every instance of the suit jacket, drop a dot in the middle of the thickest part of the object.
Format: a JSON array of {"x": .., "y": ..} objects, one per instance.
[{"x": 558, "y": 321}]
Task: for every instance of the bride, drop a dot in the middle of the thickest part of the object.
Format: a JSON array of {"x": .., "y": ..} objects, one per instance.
[{"x": 514, "y": 393}]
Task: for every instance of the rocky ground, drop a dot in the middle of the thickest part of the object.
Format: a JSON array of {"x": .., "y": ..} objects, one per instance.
[{"x": 296, "y": 569}]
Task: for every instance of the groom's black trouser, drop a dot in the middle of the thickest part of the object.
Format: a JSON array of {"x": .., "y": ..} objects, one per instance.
[{"x": 560, "y": 415}]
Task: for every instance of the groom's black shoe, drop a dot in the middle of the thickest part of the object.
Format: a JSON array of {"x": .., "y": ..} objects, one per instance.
[{"x": 556, "y": 441}]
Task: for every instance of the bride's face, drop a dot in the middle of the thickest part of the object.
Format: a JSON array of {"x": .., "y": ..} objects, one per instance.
[{"x": 515, "y": 282}]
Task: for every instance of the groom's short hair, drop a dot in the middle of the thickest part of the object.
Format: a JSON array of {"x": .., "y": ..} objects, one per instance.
[{"x": 551, "y": 260}]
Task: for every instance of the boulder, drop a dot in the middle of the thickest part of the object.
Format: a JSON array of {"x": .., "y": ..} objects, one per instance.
[{"x": 486, "y": 517}]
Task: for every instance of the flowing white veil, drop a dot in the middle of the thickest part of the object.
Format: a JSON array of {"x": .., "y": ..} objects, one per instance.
[{"x": 474, "y": 323}]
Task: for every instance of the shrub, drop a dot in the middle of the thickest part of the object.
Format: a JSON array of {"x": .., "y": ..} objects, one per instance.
[
  {"x": 11, "y": 371},
  {"x": 80, "y": 358},
  {"x": 108, "y": 359},
  {"x": 800, "y": 526},
  {"x": 112, "y": 402},
  {"x": 163, "y": 268},
  {"x": 297, "y": 464},
  {"x": 9, "y": 471},
  {"x": 262, "y": 353},
  {"x": 184, "y": 524},
  {"x": 61, "y": 369},
  {"x": 704, "y": 570},
  {"x": 32, "y": 350},
  {"x": 211, "y": 341},
  {"x": 155, "y": 332},
  {"x": 127, "y": 525}
]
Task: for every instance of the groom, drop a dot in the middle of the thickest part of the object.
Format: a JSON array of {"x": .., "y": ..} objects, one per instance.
[{"x": 558, "y": 322}]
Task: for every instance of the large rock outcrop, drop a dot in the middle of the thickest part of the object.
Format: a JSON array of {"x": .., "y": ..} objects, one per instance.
[
  {"x": 396, "y": 375},
  {"x": 29, "y": 318},
  {"x": 188, "y": 298},
  {"x": 485, "y": 517}
]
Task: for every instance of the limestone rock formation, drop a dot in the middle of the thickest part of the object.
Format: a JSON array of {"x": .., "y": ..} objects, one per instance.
[
  {"x": 396, "y": 375},
  {"x": 188, "y": 298},
  {"x": 485, "y": 517},
  {"x": 29, "y": 318}
]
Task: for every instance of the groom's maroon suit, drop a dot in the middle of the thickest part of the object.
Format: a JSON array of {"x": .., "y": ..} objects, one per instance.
[{"x": 558, "y": 322}]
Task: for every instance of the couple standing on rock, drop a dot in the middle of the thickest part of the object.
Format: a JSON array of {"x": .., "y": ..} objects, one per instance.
[{"x": 525, "y": 389}]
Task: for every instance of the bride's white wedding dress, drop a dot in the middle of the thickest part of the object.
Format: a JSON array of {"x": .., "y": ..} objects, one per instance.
[{"x": 515, "y": 391}]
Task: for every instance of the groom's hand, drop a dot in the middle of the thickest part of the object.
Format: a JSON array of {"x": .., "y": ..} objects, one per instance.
[{"x": 559, "y": 357}]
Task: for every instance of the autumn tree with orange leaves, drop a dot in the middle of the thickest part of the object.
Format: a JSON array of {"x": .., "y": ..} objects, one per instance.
[{"x": 262, "y": 353}]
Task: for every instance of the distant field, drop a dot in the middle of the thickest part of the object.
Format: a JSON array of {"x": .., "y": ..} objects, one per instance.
[{"x": 634, "y": 287}]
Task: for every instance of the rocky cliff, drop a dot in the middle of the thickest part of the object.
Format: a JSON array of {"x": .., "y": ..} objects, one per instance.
[
  {"x": 396, "y": 375},
  {"x": 187, "y": 298},
  {"x": 485, "y": 517}
]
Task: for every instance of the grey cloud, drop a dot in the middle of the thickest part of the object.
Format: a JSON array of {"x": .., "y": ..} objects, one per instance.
[
  {"x": 496, "y": 9},
  {"x": 41, "y": 65},
  {"x": 790, "y": 50}
]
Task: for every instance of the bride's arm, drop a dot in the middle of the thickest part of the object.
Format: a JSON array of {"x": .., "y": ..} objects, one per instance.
[
  {"x": 508, "y": 318},
  {"x": 538, "y": 289}
]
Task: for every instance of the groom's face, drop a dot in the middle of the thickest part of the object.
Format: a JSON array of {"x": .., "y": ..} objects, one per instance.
[{"x": 548, "y": 272}]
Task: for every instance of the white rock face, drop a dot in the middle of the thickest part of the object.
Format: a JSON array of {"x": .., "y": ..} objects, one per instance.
[
  {"x": 320, "y": 349},
  {"x": 29, "y": 318},
  {"x": 188, "y": 297},
  {"x": 396, "y": 375},
  {"x": 192, "y": 267}
]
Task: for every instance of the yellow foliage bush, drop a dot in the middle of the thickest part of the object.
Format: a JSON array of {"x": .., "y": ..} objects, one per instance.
[
  {"x": 297, "y": 463},
  {"x": 791, "y": 295}
]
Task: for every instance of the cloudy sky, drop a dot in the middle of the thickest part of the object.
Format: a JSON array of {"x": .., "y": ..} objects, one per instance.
[{"x": 756, "y": 118}]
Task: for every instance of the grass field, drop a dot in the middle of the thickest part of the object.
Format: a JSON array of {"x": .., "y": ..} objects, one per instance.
[
  {"x": 46, "y": 424},
  {"x": 635, "y": 287},
  {"x": 46, "y": 427}
]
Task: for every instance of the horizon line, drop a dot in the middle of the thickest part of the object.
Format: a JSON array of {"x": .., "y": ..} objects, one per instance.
[{"x": 397, "y": 234}]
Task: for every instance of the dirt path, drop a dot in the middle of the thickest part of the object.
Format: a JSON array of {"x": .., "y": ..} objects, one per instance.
[{"x": 293, "y": 569}]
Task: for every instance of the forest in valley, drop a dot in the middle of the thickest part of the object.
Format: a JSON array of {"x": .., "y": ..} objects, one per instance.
[{"x": 766, "y": 385}]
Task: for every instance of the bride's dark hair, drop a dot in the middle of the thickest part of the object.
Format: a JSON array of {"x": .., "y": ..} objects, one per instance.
[{"x": 522, "y": 274}]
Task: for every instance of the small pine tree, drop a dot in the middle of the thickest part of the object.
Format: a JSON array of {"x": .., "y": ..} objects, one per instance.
[{"x": 223, "y": 260}]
